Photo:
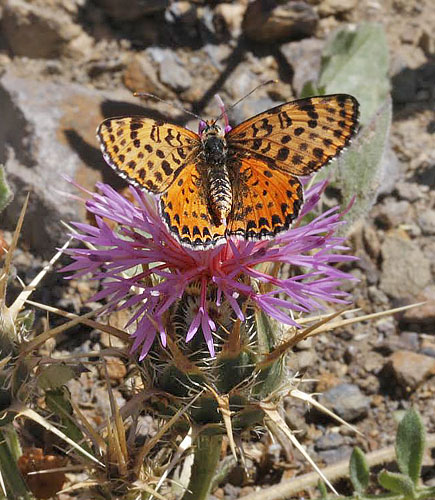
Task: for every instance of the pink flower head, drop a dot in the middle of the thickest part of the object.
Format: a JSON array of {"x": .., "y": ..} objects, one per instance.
[{"x": 141, "y": 248}]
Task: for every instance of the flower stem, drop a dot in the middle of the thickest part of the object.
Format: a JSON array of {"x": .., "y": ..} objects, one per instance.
[{"x": 207, "y": 451}]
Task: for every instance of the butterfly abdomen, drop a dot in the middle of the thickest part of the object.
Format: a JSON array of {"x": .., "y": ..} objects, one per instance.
[{"x": 220, "y": 192}]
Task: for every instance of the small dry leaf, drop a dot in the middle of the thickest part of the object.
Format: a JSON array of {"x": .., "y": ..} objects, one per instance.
[{"x": 47, "y": 484}]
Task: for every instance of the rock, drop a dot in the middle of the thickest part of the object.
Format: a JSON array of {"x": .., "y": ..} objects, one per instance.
[
  {"x": 48, "y": 130},
  {"x": 140, "y": 75},
  {"x": 428, "y": 348},
  {"x": 370, "y": 270},
  {"x": 408, "y": 191},
  {"x": 334, "y": 7},
  {"x": 329, "y": 441},
  {"x": 424, "y": 314},
  {"x": 377, "y": 296},
  {"x": 271, "y": 21},
  {"x": 426, "y": 221},
  {"x": 347, "y": 401},
  {"x": 173, "y": 74},
  {"x": 332, "y": 448},
  {"x": 405, "y": 270},
  {"x": 37, "y": 31},
  {"x": 135, "y": 9},
  {"x": 373, "y": 362},
  {"x": 336, "y": 454},
  {"x": 371, "y": 241},
  {"x": 304, "y": 57},
  {"x": 306, "y": 359},
  {"x": 183, "y": 19},
  {"x": 411, "y": 369},
  {"x": 406, "y": 341},
  {"x": 392, "y": 213},
  {"x": 386, "y": 326},
  {"x": 228, "y": 18}
]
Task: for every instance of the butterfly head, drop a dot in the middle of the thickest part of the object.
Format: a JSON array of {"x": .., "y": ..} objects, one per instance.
[{"x": 208, "y": 129}]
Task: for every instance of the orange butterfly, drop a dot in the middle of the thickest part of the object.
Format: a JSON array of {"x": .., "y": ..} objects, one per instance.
[{"x": 215, "y": 185}]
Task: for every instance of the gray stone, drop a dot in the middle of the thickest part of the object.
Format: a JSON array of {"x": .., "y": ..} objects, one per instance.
[
  {"x": 392, "y": 213},
  {"x": 267, "y": 21},
  {"x": 426, "y": 221},
  {"x": 347, "y": 401},
  {"x": 47, "y": 131},
  {"x": 37, "y": 31},
  {"x": 173, "y": 74},
  {"x": 405, "y": 270},
  {"x": 329, "y": 441},
  {"x": 304, "y": 56},
  {"x": 408, "y": 191},
  {"x": 335, "y": 455}
]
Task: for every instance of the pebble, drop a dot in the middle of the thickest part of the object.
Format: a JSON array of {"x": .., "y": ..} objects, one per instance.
[
  {"x": 411, "y": 369},
  {"x": 405, "y": 270},
  {"x": 140, "y": 75},
  {"x": 424, "y": 314},
  {"x": 273, "y": 22},
  {"x": 334, "y": 7},
  {"x": 304, "y": 57},
  {"x": 347, "y": 401},
  {"x": 173, "y": 74},
  {"x": 51, "y": 27},
  {"x": 426, "y": 221},
  {"x": 428, "y": 348},
  {"x": 392, "y": 213},
  {"x": 408, "y": 191}
]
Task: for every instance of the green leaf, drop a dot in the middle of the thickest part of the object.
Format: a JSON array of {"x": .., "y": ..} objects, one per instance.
[
  {"x": 58, "y": 402},
  {"x": 410, "y": 443},
  {"x": 359, "y": 470},
  {"x": 6, "y": 194},
  {"x": 397, "y": 483},
  {"x": 360, "y": 171},
  {"x": 323, "y": 491},
  {"x": 55, "y": 376},
  {"x": 355, "y": 62}
]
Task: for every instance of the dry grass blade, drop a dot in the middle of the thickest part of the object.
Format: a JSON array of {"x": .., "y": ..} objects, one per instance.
[
  {"x": 88, "y": 322},
  {"x": 276, "y": 420},
  {"x": 8, "y": 260},
  {"x": 330, "y": 326},
  {"x": 22, "y": 410},
  {"x": 296, "y": 393},
  {"x": 28, "y": 290},
  {"x": 41, "y": 339}
]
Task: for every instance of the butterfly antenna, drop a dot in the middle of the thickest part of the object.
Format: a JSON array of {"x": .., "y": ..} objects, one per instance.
[
  {"x": 224, "y": 112},
  {"x": 146, "y": 94}
]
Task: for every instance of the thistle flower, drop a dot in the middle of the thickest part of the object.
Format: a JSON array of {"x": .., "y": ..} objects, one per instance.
[{"x": 140, "y": 255}]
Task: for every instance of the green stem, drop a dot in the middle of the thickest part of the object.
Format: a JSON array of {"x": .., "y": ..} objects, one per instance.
[
  {"x": 207, "y": 451},
  {"x": 9, "y": 469}
]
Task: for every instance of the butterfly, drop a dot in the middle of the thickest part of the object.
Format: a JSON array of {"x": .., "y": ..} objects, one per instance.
[{"x": 240, "y": 182}]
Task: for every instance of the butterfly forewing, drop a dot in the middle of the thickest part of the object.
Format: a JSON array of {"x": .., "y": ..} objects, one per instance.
[
  {"x": 298, "y": 137},
  {"x": 148, "y": 153}
]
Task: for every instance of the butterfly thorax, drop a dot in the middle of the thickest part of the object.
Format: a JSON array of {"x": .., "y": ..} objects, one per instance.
[{"x": 214, "y": 148}]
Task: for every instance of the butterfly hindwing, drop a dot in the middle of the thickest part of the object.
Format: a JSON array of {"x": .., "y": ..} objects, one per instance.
[
  {"x": 301, "y": 136},
  {"x": 148, "y": 153},
  {"x": 185, "y": 209},
  {"x": 265, "y": 202}
]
